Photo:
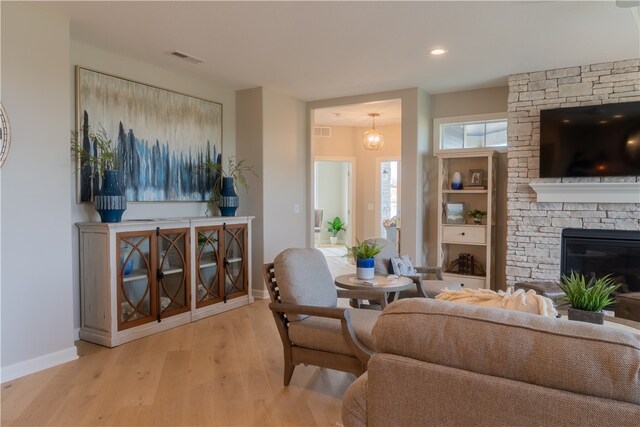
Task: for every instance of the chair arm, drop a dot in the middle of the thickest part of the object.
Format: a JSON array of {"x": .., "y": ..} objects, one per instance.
[
  {"x": 434, "y": 270},
  {"x": 359, "y": 350},
  {"x": 377, "y": 295}
]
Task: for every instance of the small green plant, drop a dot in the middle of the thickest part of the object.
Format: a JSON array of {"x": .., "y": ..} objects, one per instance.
[
  {"x": 236, "y": 170},
  {"x": 106, "y": 157},
  {"x": 592, "y": 295},
  {"x": 364, "y": 250},
  {"x": 476, "y": 214},
  {"x": 335, "y": 226}
]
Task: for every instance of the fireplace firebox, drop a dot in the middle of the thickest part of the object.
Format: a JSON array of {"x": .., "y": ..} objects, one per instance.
[{"x": 596, "y": 253}]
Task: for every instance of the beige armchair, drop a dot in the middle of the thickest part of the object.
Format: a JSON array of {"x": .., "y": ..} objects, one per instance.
[
  {"x": 312, "y": 328},
  {"x": 425, "y": 287}
]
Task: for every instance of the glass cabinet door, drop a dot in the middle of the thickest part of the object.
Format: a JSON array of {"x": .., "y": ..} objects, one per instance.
[
  {"x": 208, "y": 270},
  {"x": 235, "y": 260},
  {"x": 135, "y": 292},
  {"x": 173, "y": 264}
]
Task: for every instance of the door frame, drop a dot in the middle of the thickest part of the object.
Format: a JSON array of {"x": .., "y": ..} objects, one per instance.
[
  {"x": 350, "y": 232},
  {"x": 378, "y": 202}
]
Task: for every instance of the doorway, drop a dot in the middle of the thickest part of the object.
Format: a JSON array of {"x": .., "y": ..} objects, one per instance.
[{"x": 334, "y": 198}]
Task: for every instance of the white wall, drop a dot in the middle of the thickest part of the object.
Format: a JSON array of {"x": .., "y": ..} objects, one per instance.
[
  {"x": 100, "y": 60},
  {"x": 332, "y": 194},
  {"x": 36, "y": 292}
]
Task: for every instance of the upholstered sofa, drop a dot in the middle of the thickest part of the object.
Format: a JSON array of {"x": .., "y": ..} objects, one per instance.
[{"x": 441, "y": 363}]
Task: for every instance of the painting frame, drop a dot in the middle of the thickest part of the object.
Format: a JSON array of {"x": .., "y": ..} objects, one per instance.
[
  {"x": 454, "y": 213},
  {"x": 476, "y": 178},
  {"x": 168, "y": 139}
]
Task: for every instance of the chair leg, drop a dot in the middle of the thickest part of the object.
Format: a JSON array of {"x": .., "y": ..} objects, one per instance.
[{"x": 288, "y": 372}]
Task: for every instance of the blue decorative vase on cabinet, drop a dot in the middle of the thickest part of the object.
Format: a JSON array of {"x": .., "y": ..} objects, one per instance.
[
  {"x": 229, "y": 201},
  {"x": 110, "y": 201}
]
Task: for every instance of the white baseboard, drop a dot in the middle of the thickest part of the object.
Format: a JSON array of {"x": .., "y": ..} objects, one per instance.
[
  {"x": 260, "y": 293},
  {"x": 36, "y": 364}
]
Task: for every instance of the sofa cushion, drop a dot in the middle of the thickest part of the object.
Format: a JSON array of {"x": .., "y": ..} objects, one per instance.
[
  {"x": 354, "y": 403},
  {"x": 320, "y": 333},
  {"x": 304, "y": 278},
  {"x": 565, "y": 355}
]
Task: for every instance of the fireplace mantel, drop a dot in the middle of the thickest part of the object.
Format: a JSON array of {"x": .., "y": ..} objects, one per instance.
[{"x": 587, "y": 192}]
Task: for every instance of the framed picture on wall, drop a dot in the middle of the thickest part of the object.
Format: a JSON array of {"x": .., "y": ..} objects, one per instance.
[
  {"x": 454, "y": 213},
  {"x": 161, "y": 138}
]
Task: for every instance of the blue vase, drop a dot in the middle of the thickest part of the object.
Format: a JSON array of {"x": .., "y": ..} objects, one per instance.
[
  {"x": 229, "y": 201},
  {"x": 365, "y": 268},
  {"x": 110, "y": 201}
]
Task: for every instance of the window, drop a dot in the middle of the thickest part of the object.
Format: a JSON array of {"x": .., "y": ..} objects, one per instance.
[{"x": 456, "y": 133}]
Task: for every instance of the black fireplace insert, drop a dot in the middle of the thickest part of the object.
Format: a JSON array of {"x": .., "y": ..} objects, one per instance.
[{"x": 596, "y": 253}]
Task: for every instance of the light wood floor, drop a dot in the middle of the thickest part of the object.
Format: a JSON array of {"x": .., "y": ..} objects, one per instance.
[{"x": 224, "y": 370}]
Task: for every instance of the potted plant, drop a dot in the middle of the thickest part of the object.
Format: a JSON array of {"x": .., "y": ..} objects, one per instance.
[
  {"x": 364, "y": 253},
  {"x": 588, "y": 298},
  {"x": 98, "y": 158},
  {"x": 334, "y": 227},
  {"x": 477, "y": 215},
  {"x": 390, "y": 225},
  {"x": 223, "y": 190}
]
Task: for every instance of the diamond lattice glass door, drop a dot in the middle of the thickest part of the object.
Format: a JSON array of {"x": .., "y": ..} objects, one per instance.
[
  {"x": 208, "y": 266},
  {"x": 135, "y": 293},
  {"x": 235, "y": 280},
  {"x": 173, "y": 264}
]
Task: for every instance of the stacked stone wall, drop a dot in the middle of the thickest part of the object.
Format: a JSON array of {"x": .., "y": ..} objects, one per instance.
[{"x": 534, "y": 229}]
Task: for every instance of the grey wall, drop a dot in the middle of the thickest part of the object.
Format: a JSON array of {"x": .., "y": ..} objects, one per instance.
[
  {"x": 467, "y": 103},
  {"x": 36, "y": 291}
]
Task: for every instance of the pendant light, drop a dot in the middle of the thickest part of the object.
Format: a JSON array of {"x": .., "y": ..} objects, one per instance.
[{"x": 373, "y": 139}]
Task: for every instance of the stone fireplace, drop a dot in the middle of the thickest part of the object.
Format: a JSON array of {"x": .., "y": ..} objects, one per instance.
[{"x": 534, "y": 227}]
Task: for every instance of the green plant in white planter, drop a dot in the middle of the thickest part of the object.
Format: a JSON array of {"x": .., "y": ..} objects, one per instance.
[
  {"x": 364, "y": 253},
  {"x": 334, "y": 227},
  {"x": 477, "y": 215},
  {"x": 588, "y": 298}
]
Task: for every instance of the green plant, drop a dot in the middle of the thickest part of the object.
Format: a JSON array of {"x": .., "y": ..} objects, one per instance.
[
  {"x": 477, "y": 214},
  {"x": 364, "y": 250},
  {"x": 335, "y": 226},
  {"x": 592, "y": 295},
  {"x": 106, "y": 157},
  {"x": 236, "y": 170}
]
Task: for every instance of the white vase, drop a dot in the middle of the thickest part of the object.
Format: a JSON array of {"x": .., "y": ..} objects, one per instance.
[
  {"x": 456, "y": 181},
  {"x": 333, "y": 239}
]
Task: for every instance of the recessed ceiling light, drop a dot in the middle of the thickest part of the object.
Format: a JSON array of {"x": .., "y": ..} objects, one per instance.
[{"x": 438, "y": 51}]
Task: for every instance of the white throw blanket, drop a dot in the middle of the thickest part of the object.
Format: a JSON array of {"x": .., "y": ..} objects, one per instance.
[{"x": 529, "y": 301}]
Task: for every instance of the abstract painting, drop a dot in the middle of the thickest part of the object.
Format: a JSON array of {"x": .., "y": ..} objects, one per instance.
[{"x": 162, "y": 138}]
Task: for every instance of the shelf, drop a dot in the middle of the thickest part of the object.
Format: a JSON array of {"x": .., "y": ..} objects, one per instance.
[
  {"x": 172, "y": 271},
  {"x": 136, "y": 275},
  {"x": 465, "y": 225},
  {"x": 230, "y": 260},
  {"x": 208, "y": 264},
  {"x": 463, "y": 276},
  {"x": 465, "y": 191}
]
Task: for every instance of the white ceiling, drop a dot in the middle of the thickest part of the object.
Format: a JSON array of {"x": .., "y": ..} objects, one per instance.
[
  {"x": 319, "y": 50},
  {"x": 358, "y": 114}
]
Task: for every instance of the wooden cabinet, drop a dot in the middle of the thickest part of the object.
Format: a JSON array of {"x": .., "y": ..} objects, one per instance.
[
  {"x": 143, "y": 277},
  {"x": 466, "y": 250}
]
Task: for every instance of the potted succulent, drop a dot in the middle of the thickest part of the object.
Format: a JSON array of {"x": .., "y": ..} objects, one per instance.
[
  {"x": 98, "y": 157},
  {"x": 588, "y": 298},
  {"x": 223, "y": 190},
  {"x": 364, "y": 253},
  {"x": 477, "y": 215},
  {"x": 334, "y": 227}
]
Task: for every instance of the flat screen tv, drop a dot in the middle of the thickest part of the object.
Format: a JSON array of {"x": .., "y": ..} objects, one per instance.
[{"x": 598, "y": 140}]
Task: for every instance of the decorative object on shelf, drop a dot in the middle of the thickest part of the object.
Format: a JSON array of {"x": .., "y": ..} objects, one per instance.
[
  {"x": 588, "y": 298},
  {"x": 476, "y": 179},
  {"x": 334, "y": 227},
  {"x": 223, "y": 193},
  {"x": 454, "y": 213},
  {"x": 156, "y": 130},
  {"x": 5, "y": 135},
  {"x": 373, "y": 138},
  {"x": 456, "y": 181},
  {"x": 364, "y": 253},
  {"x": 467, "y": 265},
  {"x": 390, "y": 225},
  {"x": 128, "y": 268},
  {"x": 98, "y": 158},
  {"x": 477, "y": 215}
]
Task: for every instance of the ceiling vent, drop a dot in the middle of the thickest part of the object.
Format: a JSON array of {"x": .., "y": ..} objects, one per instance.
[
  {"x": 187, "y": 57},
  {"x": 322, "y": 131}
]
